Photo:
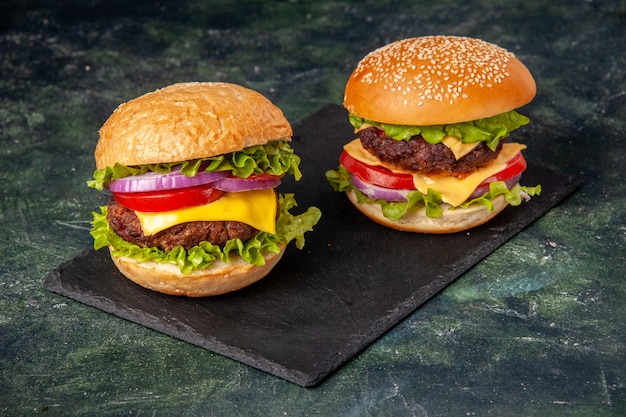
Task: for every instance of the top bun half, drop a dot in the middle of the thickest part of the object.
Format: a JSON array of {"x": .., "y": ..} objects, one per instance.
[
  {"x": 436, "y": 80},
  {"x": 188, "y": 121}
]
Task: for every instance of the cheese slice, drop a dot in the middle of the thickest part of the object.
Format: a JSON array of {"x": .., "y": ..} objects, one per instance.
[
  {"x": 364, "y": 126},
  {"x": 454, "y": 191},
  {"x": 458, "y": 148},
  {"x": 256, "y": 208}
]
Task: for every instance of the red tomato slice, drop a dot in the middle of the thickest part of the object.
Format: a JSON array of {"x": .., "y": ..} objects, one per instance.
[
  {"x": 514, "y": 167},
  {"x": 164, "y": 200},
  {"x": 376, "y": 175},
  {"x": 385, "y": 178}
]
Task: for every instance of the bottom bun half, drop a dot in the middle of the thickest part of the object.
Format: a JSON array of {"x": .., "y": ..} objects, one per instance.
[
  {"x": 451, "y": 221},
  {"x": 220, "y": 278}
]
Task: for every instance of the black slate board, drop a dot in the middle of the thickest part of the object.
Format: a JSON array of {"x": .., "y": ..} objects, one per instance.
[{"x": 319, "y": 307}]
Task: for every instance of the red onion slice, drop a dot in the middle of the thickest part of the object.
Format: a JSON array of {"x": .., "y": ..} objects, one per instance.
[
  {"x": 376, "y": 192},
  {"x": 153, "y": 181},
  {"x": 484, "y": 186},
  {"x": 235, "y": 184}
]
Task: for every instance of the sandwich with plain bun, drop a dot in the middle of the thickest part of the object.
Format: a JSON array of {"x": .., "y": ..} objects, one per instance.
[
  {"x": 433, "y": 116},
  {"x": 191, "y": 170}
]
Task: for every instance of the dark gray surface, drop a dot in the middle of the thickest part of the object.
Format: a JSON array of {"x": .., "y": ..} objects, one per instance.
[
  {"x": 534, "y": 329},
  {"x": 319, "y": 307}
]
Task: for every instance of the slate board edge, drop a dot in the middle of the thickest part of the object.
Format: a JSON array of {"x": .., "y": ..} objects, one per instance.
[{"x": 54, "y": 283}]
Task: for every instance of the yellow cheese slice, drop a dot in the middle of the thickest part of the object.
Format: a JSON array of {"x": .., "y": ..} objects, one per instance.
[
  {"x": 458, "y": 148},
  {"x": 256, "y": 208},
  {"x": 454, "y": 191},
  {"x": 364, "y": 126}
]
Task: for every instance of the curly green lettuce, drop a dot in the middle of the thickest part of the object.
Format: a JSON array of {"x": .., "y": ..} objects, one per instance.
[
  {"x": 276, "y": 158},
  {"x": 489, "y": 130},
  {"x": 340, "y": 181},
  {"x": 288, "y": 228}
]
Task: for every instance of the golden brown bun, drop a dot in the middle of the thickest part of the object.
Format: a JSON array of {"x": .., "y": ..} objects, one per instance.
[
  {"x": 437, "y": 80},
  {"x": 451, "y": 221},
  {"x": 220, "y": 278},
  {"x": 188, "y": 121}
]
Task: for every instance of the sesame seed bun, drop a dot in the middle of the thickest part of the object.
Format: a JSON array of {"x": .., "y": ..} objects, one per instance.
[
  {"x": 436, "y": 80},
  {"x": 188, "y": 121}
]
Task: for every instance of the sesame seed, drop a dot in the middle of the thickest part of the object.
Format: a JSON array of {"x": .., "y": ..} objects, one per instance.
[{"x": 422, "y": 62}]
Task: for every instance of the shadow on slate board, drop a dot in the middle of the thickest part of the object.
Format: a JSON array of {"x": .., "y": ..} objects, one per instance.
[{"x": 320, "y": 306}]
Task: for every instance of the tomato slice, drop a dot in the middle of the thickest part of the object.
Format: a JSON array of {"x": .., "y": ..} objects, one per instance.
[
  {"x": 385, "y": 178},
  {"x": 514, "y": 167},
  {"x": 376, "y": 175},
  {"x": 165, "y": 200}
]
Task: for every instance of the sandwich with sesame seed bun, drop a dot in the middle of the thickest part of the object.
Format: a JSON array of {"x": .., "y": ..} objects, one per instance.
[{"x": 433, "y": 116}]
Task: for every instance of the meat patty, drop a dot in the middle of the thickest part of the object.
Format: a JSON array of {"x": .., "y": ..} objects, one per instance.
[
  {"x": 418, "y": 155},
  {"x": 125, "y": 223}
]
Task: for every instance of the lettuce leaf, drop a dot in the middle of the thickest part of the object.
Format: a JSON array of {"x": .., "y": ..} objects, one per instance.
[
  {"x": 489, "y": 130},
  {"x": 288, "y": 228},
  {"x": 340, "y": 181},
  {"x": 276, "y": 158}
]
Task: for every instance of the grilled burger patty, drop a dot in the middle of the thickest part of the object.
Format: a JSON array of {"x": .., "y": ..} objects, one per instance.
[
  {"x": 418, "y": 155},
  {"x": 126, "y": 224}
]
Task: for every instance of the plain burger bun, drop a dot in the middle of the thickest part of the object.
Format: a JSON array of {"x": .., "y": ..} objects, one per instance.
[
  {"x": 436, "y": 80},
  {"x": 189, "y": 121},
  {"x": 220, "y": 278},
  {"x": 451, "y": 221},
  {"x": 184, "y": 122}
]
